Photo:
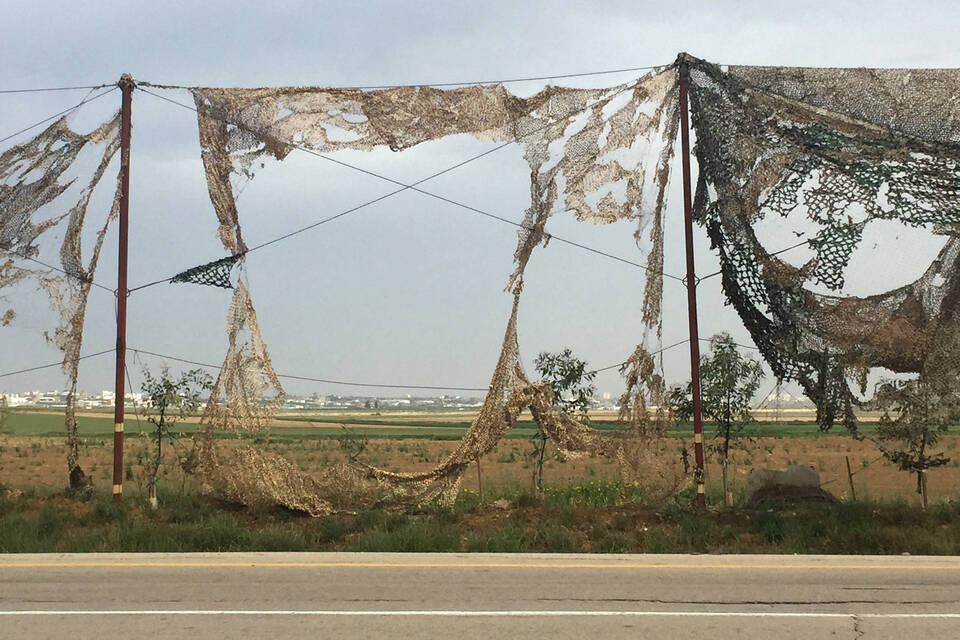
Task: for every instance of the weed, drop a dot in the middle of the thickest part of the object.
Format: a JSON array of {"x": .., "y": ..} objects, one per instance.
[
  {"x": 414, "y": 535},
  {"x": 596, "y": 493},
  {"x": 771, "y": 526},
  {"x": 508, "y": 539},
  {"x": 614, "y": 542}
]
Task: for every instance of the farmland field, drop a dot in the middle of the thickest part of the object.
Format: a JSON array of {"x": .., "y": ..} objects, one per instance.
[{"x": 32, "y": 452}]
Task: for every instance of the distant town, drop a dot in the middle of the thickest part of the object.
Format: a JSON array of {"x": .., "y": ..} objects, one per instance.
[
  {"x": 314, "y": 402},
  {"x": 332, "y": 402}
]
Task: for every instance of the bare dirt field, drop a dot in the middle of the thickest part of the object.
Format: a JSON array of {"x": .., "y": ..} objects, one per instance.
[{"x": 39, "y": 461}]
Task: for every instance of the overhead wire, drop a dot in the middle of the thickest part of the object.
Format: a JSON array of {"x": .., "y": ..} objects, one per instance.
[
  {"x": 95, "y": 86},
  {"x": 86, "y": 100},
  {"x": 775, "y": 253},
  {"x": 56, "y": 364},
  {"x": 312, "y": 379},
  {"x": 328, "y": 380},
  {"x": 89, "y": 281},
  {"x": 376, "y": 384},
  {"x": 379, "y": 385},
  {"x": 463, "y": 84}
]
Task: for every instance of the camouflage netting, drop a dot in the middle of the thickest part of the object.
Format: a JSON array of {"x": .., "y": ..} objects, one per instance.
[
  {"x": 10, "y": 274},
  {"x": 605, "y": 152},
  {"x": 247, "y": 392},
  {"x": 214, "y": 274},
  {"x": 845, "y": 147},
  {"x": 508, "y": 395},
  {"x": 243, "y": 399},
  {"x": 33, "y": 175},
  {"x": 615, "y": 145}
]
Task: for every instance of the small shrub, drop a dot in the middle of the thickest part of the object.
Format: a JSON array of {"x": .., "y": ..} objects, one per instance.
[
  {"x": 508, "y": 539},
  {"x": 614, "y": 542},
  {"x": 414, "y": 536},
  {"x": 771, "y": 526}
]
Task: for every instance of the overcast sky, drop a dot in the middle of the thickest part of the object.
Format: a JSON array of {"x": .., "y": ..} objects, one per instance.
[{"x": 409, "y": 290}]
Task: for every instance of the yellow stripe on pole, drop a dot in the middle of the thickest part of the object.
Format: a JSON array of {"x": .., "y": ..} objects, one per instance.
[
  {"x": 698, "y": 438},
  {"x": 700, "y": 488},
  {"x": 117, "y": 489},
  {"x": 118, "y": 427}
]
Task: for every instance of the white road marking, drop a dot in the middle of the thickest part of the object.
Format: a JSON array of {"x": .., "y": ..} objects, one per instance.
[{"x": 474, "y": 614}]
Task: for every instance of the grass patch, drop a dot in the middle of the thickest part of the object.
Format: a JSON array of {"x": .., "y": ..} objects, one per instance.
[
  {"x": 580, "y": 518},
  {"x": 27, "y": 422}
]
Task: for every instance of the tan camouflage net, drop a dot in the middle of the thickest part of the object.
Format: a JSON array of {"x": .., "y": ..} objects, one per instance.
[
  {"x": 508, "y": 395},
  {"x": 254, "y": 478},
  {"x": 243, "y": 399},
  {"x": 844, "y": 148},
  {"x": 258, "y": 478},
  {"x": 10, "y": 274},
  {"x": 32, "y": 176},
  {"x": 247, "y": 391},
  {"x": 605, "y": 138},
  {"x": 606, "y": 152}
]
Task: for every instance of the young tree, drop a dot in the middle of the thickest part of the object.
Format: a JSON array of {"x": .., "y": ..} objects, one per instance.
[
  {"x": 915, "y": 414},
  {"x": 172, "y": 399},
  {"x": 573, "y": 391},
  {"x": 570, "y": 381},
  {"x": 728, "y": 382}
]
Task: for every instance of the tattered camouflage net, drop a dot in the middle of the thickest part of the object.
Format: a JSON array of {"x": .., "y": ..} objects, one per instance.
[
  {"x": 847, "y": 146},
  {"x": 10, "y": 274},
  {"x": 214, "y": 274},
  {"x": 22, "y": 196},
  {"x": 596, "y": 128},
  {"x": 843, "y": 146},
  {"x": 247, "y": 391},
  {"x": 600, "y": 172},
  {"x": 604, "y": 135}
]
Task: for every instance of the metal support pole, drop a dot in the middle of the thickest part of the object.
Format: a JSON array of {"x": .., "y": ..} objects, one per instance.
[
  {"x": 126, "y": 85},
  {"x": 698, "y": 474}
]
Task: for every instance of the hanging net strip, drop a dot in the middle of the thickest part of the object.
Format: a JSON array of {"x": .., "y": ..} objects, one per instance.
[
  {"x": 39, "y": 199},
  {"x": 214, "y": 274}
]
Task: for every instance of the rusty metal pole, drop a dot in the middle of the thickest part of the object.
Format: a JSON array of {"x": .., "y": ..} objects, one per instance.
[
  {"x": 126, "y": 85},
  {"x": 691, "y": 279}
]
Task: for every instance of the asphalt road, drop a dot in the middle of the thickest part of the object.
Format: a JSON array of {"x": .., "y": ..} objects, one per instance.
[{"x": 488, "y": 596}]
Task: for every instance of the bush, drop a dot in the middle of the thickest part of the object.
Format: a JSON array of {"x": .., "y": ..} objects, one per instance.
[{"x": 414, "y": 535}]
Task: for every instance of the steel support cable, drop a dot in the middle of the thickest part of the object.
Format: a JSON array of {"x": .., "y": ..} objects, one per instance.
[
  {"x": 312, "y": 379},
  {"x": 462, "y": 84},
  {"x": 62, "y": 113},
  {"x": 59, "y": 363},
  {"x": 767, "y": 398},
  {"x": 775, "y": 253},
  {"x": 373, "y": 384},
  {"x": 59, "y": 270},
  {"x": 652, "y": 353},
  {"x": 413, "y": 187},
  {"x": 661, "y": 350},
  {"x": 95, "y": 86}
]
